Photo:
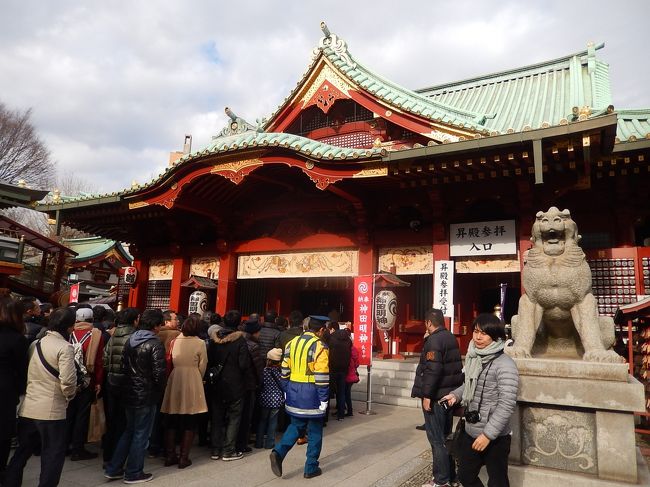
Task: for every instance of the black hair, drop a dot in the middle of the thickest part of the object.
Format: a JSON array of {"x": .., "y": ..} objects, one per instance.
[
  {"x": 232, "y": 319},
  {"x": 168, "y": 314},
  {"x": 270, "y": 316},
  {"x": 491, "y": 325},
  {"x": 435, "y": 316},
  {"x": 150, "y": 319},
  {"x": 281, "y": 322},
  {"x": 61, "y": 319},
  {"x": 129, "y": 316},
  {"x": 295, "y": 318},
  {"x": 212, "y": 318},
  {"x": 99, "y": 312},
  {"x": 28, "y": 303}
]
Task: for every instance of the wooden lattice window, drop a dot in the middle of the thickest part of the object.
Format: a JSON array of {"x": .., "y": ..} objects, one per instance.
[
  {"x": 158, "y": 294},
  {"x": 358, "y": 140}
]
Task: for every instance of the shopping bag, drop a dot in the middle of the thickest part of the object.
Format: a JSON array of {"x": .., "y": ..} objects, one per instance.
[{"x": 97, "y": 423}]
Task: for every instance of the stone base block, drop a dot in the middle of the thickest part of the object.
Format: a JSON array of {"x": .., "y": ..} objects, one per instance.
[
  {"x": 572, "y": 369},
  {"x": 528, "y": 476}
]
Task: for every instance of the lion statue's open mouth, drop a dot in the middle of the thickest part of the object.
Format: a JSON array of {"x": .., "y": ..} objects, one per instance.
[{"x": 558, "y": 315}]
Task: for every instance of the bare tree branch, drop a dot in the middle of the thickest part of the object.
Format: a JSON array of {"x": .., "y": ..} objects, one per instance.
[{"x": 22, "y": 153}]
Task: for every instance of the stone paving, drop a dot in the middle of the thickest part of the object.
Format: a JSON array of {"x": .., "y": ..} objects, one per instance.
[{"x": 383, "y": 449}]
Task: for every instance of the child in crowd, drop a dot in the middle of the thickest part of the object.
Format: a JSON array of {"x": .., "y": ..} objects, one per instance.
[{"x": 271, "y": 399}]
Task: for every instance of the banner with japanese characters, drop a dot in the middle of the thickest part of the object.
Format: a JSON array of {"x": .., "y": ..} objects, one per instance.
[
  {"x": 363, "y": 318},
  {"x": 443, "y": 289},
  {"x": 483, "y": 238}
]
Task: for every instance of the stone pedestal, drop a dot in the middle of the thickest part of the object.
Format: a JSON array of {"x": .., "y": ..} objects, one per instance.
[{"x": 576, "y": 418}]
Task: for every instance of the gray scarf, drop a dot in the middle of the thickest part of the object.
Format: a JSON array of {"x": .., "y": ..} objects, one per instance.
[{"x": 474, "y": 361}]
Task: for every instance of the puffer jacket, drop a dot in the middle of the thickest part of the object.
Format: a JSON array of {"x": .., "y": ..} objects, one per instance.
[
  {"x": 228, "y": 347},
  {"x": 499, "y": 398},
  {"x": 305, "y": 376},
  {"x": 440, "y": 368},
  {"x": 254, "y": 373},
  {"x": 145, "y": 369},
  {"x": 268, "y": 338},
  {"x": 113, "y": 355}
]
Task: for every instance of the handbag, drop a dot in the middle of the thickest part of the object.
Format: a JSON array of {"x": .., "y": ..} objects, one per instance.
[
  {"x": 213, "y": 373},
  {"x": 97, "y": 423},
  {"x": 453, "y": 440}
]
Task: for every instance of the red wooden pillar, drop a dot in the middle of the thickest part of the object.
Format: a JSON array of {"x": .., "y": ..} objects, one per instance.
[
  {"x": 367, "y": 260},
  {"x": 227, "y": 283},
  {"x": 138, "y": 293},
  {"x": 181, "y": 273}
]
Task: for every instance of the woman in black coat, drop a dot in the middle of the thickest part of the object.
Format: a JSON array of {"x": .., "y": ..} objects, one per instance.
[{"x": 13, "y": 371}]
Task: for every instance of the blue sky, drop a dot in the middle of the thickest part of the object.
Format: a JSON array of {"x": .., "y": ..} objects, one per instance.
[{"x": 115, "y": 86}]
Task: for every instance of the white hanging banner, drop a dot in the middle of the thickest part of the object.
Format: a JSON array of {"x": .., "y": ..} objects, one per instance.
[
  {"x": 483, "y": 238},
  {"x": 443, "y": 289}
]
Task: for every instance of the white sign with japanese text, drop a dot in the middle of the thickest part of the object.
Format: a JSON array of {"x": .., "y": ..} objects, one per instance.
[
  {"x": 483, "y": 238},
  {"x": 443, "y": 289}
]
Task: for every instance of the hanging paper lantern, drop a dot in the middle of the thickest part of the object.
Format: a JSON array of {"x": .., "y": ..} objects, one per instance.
[
  {"x": 385, "y": 309},
  {"x": 198, "y": 303}
]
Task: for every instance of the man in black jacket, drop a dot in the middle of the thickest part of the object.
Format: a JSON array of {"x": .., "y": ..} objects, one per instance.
[
  {"x": 143, "y": 362},
  {"x": 269, "y": 334},
  {"x": 439, "y": 372},
  {"x": 227, "y": 351}
]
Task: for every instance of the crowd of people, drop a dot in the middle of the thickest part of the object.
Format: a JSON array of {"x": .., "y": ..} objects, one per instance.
[{"x": 163, "y": 379}]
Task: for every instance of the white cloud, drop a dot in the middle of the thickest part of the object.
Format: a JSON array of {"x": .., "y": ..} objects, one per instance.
[{"x": 115, "y": 86}]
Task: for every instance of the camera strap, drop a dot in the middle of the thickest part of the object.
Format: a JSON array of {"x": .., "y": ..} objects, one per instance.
[{"x": 487, "y": 369}]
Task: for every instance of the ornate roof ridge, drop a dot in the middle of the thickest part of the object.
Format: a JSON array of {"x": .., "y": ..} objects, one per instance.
[
  {"x": 335, "y": 51},
  {"x": 510, "y": 73}
]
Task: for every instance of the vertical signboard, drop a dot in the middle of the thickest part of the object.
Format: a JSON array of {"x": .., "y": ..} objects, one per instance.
[
  {"x": 443, "y": 289},
  {"x": 74, "y": 293},
  {"x": 363, "y": 318}
]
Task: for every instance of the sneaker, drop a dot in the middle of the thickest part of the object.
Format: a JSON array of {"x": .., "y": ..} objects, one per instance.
[
  {"x": 313, "y": 474},
  {"x": 420, "y": 427},
  {"x": 139, "y": 479},
  {"x": 455, "y": 483},
  {"x": 233, "y": 456},
  {"x": 276, "y": 463},
  {"x": 246, "y": 449},
  {"x": 302, "y": 440},
  {"x": 215, "y": 455},
  {"x": 114, "y": 476},
  {"x": 431, "y": 483}
]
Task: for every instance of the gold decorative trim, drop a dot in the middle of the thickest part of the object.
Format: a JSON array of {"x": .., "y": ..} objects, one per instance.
[
  {"x": 138, "y": 204},
  {"x": 235, "y": 166},
  {"x": 372, "y": 171},
  {"x": 326, "y": 73}
]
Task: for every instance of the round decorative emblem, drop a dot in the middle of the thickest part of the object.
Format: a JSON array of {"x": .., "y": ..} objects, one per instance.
[
  {"x": 309, "y": 165},
  {"x": 363, "y": 287}
]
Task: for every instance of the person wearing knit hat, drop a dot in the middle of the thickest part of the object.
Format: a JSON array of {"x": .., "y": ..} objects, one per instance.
[
  {"x": 274, "y": 354},
  {"x": 271, "y": 399}
]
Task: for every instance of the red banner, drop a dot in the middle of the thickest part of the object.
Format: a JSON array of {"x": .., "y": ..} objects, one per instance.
[
  {"x": 74, "y": 293},
  {"x": 363, "y": 318}
]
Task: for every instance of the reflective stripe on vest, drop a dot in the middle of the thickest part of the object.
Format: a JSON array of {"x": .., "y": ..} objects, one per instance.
[{"x": 300, "y": 371}]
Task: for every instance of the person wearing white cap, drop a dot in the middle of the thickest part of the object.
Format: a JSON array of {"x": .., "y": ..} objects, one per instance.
[{"x": 78, "y": 413}]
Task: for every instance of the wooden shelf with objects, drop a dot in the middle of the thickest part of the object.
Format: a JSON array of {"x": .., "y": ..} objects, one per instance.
[{"x": 632, "y": 321}]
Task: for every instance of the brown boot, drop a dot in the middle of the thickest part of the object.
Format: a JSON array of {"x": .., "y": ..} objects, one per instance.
[
  {"x": 170, "y": 448},
  {"x": 186, "y": 445}
]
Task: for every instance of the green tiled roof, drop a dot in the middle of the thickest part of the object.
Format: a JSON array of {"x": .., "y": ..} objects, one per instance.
[
  {"x": 335, "y": 50},
  {"x": 297, "y": 143},
  {"x": 532, "y": 96},
  {"x": 633, "y": 125},
  {"x": 91, "y": 247}
]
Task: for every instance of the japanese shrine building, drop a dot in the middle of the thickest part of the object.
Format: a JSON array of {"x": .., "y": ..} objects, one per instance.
[{"x": 354, "y": 174}]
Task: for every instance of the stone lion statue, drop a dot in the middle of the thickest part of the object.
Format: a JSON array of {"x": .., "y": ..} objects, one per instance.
[{"x": 558, "y": 315}]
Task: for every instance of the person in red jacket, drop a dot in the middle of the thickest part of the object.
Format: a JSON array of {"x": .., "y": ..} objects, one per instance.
[{"x": 78, "y": 412}]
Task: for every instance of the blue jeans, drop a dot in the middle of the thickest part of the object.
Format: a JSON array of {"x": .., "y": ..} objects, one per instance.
[
  {"x": 438, "y": 423},
  {"x": 315, "y": 434},
  {"x": 267, "y": 424},
  {"x": 133, "y": 443}
]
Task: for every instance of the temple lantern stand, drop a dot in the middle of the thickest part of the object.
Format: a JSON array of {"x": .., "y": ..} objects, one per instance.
[{"x": 390, "y": 339}]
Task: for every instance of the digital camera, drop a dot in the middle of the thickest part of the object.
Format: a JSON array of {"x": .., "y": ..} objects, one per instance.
[
  {"x": 444, "y": 404},
  {"x": 472, "y": 417}
]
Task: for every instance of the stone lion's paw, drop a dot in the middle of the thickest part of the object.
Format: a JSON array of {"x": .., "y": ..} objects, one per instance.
[
  {"x": 607, "y": 356},
  {"x": 517, "y": 352}
]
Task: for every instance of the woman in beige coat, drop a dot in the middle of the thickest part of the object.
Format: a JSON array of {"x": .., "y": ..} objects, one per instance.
[{"x": 184, "y": 396}]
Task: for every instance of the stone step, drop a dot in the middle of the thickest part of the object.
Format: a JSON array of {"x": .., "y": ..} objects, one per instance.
[
  {"x": 408, "y": 365},
  {"x": 387, "y": 390},
  {"x": 388, "y": 373},
  {"x": 388, "y": 381}
]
